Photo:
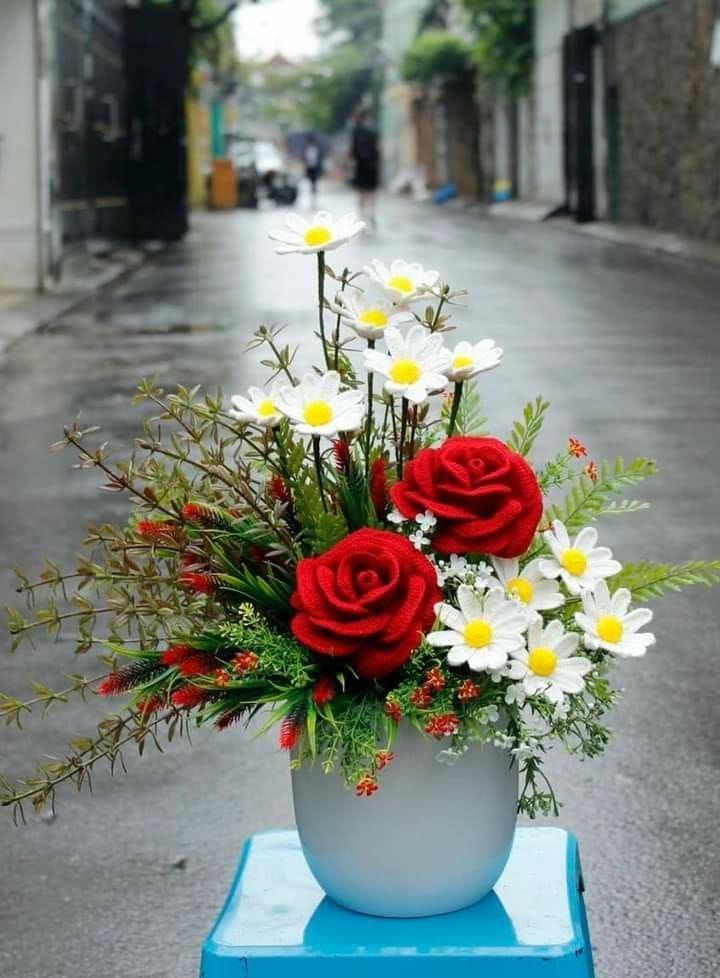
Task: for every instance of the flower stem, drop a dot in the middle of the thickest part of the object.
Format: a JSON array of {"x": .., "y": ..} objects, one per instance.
[
  {"x": 369, "y": 419},
  {"x": 395, "y": 432},
  {"x": 321, "y": 305},
  {"x": 457, "y": 397},
  {"x": 413, "y": 430},
  {"x": 336, "y": 337},
  {"x": 403, "y": 429},
  {"x": 318, "y": 470}
]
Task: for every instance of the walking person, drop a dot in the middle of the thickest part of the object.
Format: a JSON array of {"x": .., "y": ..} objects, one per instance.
[
  {"x": 313, "y": 159},
  {"x": 365, "y": 156}
]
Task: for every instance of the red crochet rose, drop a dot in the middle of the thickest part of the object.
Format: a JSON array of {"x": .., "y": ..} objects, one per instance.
[
  {"x": 370, "y": 598},
  {"x": 485, "y": 496}
]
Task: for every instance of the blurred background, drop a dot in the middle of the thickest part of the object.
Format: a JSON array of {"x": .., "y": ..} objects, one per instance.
[{"x": 558, "y": 158}]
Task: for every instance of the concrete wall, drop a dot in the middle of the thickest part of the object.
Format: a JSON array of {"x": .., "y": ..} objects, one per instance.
[
  {"x": 400, "y": 24},
  {"x": 19, "y": 201},
  {"x": 668, "y": 132}
]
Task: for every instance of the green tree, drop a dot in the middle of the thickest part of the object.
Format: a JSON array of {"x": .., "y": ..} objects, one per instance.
[
  {"x": 504, "y": 47},
  {"x": 435, "y": 53}
]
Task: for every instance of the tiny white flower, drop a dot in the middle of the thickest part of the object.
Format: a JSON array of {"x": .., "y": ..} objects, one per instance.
[
  {"x": 522, "y": 751},
  {"x": 322, "y": 233},
  {"x": 530, "y": 587},
  {"x": 451, "y": 755},
  {"x": 396, "y": 517},
  {"x": 259, "y": 407},
  {"x": 482, "y": 632},
  {"x": 418, "y": 539},
  {"x": 317, "y": 406},
  {"x": 469, "y": 359},
  {"x": 491, "y": 714},
  {"x": 578, "y": 562},
  {"x": 609, "y": 624},
  {"x": 426, "y": 521},
  {"x": 413, "y": 365},
  {"x": 503, "y": 741},
  {"x": 515, "y": 694},
  {"x": 368, "y": 315},
  {"x": 561, "y": 710},
  {"x": 547, "y": 665},
  {"x": 403, "y": 282}
]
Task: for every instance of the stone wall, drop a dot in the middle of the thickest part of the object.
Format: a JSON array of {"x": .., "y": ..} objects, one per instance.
[{"x": 666, "y": 134}]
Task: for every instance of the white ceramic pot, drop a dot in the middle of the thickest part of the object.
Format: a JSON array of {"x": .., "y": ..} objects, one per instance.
[{"x": 433, "y": 839}]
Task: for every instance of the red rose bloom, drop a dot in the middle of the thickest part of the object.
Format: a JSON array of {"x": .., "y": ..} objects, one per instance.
[
  {"x": 485, "y": 496},
  {"x": 370, "y": 599}
]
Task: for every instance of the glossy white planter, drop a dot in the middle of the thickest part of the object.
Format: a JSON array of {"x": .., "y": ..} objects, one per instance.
[{"x": 433, "y": 839}]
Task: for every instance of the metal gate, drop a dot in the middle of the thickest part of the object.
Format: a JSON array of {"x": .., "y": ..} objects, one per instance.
[
  {"x": 90, "y": 119},
  {"x": 578, "y": 122}
]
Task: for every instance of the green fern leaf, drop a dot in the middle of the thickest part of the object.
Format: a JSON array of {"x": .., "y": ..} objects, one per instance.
[
  {"x": 588, "y": 499},
  {"x": 651, "y": 580},
  {"x": 525, "y": 432}
]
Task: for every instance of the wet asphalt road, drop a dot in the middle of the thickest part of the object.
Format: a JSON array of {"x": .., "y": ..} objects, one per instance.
[{"x": 625, "y": 344}]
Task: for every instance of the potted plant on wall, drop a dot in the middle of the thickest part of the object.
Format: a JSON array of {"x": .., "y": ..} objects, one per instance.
[{"x": 419, "y": 610}]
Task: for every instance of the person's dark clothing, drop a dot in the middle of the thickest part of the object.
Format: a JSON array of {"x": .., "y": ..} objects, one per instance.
[{"x": 366, "y": 158}]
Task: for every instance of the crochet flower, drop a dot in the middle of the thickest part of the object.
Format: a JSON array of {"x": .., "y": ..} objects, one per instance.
[
  {"x": 413, "y": 365},
  {"x": 317, "y": 406},
  {"x": 578, "y": 562},
  {"x": 548, "y": 666},
  {"x": 609, "y": 624},
  {"x": 322, "y": 233},
  {"x": 528, "y": 586},
  {"x": 368, "y": 315},
  {"x": 485, "y": 496},
  {"x": 469, "y": 359},
  {"x": 403, "y": 282},
  {"x": 482, "y": 631},
  {"x": 257, "y": 408},
  {"x": 368, "y": 599}
]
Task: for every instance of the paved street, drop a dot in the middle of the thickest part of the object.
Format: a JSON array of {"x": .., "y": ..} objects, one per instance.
[{"x": 626, "y": 346}]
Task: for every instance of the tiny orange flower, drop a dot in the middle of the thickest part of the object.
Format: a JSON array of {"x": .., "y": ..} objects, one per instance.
[
  {"x": 383, "y": 758},
  {"x": 393, "y": 711},
  {"x": 421, "y": 698},
  {"x": 366, "y": 786},
  {"x": 576, "y": 448},
  {"x": 222, "y": 677},
  {"x": 434, "y": 680},
  {"x": 245, "y": 662},
  {"x": 468, "y": 690},
  {"x": 591, "y": 471}
]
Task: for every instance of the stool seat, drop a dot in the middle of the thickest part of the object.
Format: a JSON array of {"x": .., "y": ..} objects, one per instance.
[{"x": 278, "y": 922}]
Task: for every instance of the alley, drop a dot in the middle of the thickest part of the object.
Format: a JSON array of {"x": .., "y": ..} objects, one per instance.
[{"x": 626, "y": 347}]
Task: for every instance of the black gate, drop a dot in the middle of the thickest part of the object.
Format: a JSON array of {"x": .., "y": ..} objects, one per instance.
[
  {"x": 578, "y": 122},
  {"x": 90, "y": 119},
  {"x": 156, "y": 56}
]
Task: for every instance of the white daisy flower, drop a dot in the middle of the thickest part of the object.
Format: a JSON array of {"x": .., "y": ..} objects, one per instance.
[
  {"x": 609, "y": 624},
  {"x": 547, "y": 665},
  {"x": 426, "y": 521},
  {"x": 322, "y": 233},
  {"x": 367, "y": 314},
  {"x": 258, "y": 407},
  {"x": 482, "y": 632},
  {"x": 317, "y": 406},
  {"x": 534, "y": 591},
  {"x": 469, "y": 359},
  {"x": 413, "y": 365},
  {"x": 402, "y": 282},
  {"x": 579, "y": 562}
]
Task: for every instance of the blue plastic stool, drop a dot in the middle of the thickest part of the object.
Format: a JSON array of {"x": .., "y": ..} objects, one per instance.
[{"x": 278, "y": 922}]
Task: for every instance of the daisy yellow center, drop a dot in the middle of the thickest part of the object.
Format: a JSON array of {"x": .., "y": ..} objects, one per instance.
[
  {"x": 478, "y": 633},
  {"x": 316, "y": 235},
  {"x": 542, "y": 661},
  {"x": 318, "y": 413},
  {"x": 374, "y": 317},
  {"x": 461, "y": 361},
  {"x": 610, "y": 628},
  {"x": 574, "y": 561},
  {"x": 405, "y": 371},
  {"x": 266, "y": 408},
  {"x": 402, "y": 283},
  {"x": 520, "y": 587}
]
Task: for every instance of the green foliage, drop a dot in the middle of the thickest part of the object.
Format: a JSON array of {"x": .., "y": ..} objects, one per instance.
[
  {"x": 435, "y": 54},
  {"x": 652, "y": 580},
  {"x": 525, "y": 432},
  {"x": 503, "y": 50},
  {"x": 471, "y": 418},
  {"x": 588, "y": 500}
]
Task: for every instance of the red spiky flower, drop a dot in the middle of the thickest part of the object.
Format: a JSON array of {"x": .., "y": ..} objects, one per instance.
[
  {"x": 112, "y": 685},
  {"x": 379, "y": 486},
  {"x": 341, "y": 454},
  {"x": 291, "y": 728},
  {"x": 189, "y": 696},
  {"x": 150, "y": 704},
  {"x": 366, "y": 786},
  {"x": 205, "y": 514},
  {"x": 159, "y": 531},
  {"x": 200, "y": 664},
  {"x": 200, "y": 581},
  {"x": 324, "y": 690},
  {"x": 230, "y": 718},
  {"x": 280, "y": 490},
  {"x": 176, "y": 653}
]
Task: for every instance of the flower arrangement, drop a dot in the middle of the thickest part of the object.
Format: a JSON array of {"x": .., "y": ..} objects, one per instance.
[{"x": 349, "y": 550}]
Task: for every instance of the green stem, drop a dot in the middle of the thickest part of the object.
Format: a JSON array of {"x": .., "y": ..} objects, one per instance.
[
  {"x": 336, "y": 338},
  {"x": 413, "y": 430},
  {"x": 368, "y": 420},
  {"x": 395, "y": 432},
  {"x": 403, "y": 430},
  {"x": 441, "y": 303},
  {"x": 321, "y": 305},
  {"x": 457, "y": 397},
  {"x": 318, "y": 470}
]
